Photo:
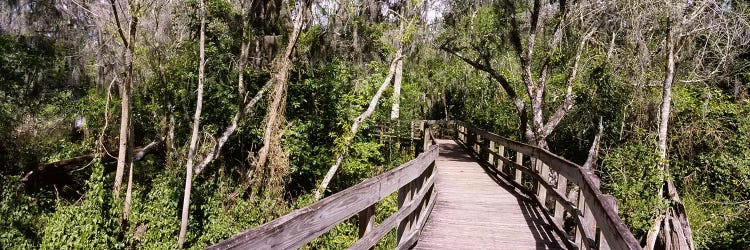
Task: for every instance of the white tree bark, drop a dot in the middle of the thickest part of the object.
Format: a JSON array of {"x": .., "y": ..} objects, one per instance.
[
  {"x": 397, "y": 90},
  {"x": 230, "y": 129},
  {"x": 196, "y": 129},
  {"x": 355, "y": 126},
  {"x": 666, "y": 98},
  {"x": 125, "y": 152}
]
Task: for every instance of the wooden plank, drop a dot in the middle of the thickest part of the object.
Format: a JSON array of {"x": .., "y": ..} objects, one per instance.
[
  {"x": 412, "y": 238},
  {"x": 542, "y": 183},
  {"x": 366, "y": 221},
  {"x": 562, "y": 188},
  {"x": 614, "y": 230},
  {"x": 372, "y": 237},
  {"x": 474, "y": 211},
  {"x": 300, "y": 226},
  {"x": 612, "y": 202},
  {"x": 519, "y": 162},
  {"x": 567, "y": 205},
  {"x": 490, "y": 152}
]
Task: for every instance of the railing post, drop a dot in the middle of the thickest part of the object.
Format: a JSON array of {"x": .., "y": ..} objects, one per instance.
[
  {"x": 427, "y": 138},
  {"x": 603, "y": 245},
  {"x": 541, "y": 192},
  {"x": 562, "y": 188},
  {"x": 477, "y": 146},
  {"x": 366, "y": 221},
  {"x": 587, "y": 219},
  {"x": 519, "y": 161},
  {"x": 404, "y": 197},
  {"x": 490, "y": 150}
]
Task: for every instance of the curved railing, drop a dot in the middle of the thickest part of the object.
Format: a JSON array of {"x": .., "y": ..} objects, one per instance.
[
  {"x": 551, "y": 179},
  {"x": 542, "y": 176},
  {"x": 414, "y": 181}
]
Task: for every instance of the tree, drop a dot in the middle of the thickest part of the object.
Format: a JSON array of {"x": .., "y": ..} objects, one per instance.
[
  {"x": 355, "y": 125},
  {"x": 580, "y": 15},
  {"x": 125, "y": 155},
  {"x": 277, "y": 166},
  {"x": 196, "y": 129}
]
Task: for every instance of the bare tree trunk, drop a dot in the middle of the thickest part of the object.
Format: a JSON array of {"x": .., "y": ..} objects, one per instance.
[
  {"x": 666, "y": 98},
  {"x": 230, "y": 129},
  {"x": 399, "y": 73},
  {"x": 275, "y": 113},
  {"x": 674, "y": 225},
  {"x": 244, "y": 105},
  {"x": 129, "y": 84},
  {"x": 397, "y": 89},
  {"x": 196, "y": 129},
  {"x": 355, "y": 126},
  {"x": 124, "y": 157}
]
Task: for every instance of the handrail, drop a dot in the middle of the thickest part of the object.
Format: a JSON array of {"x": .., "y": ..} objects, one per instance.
[
  {"x": 592, "y": 210},
  {"x": 414, "y": 182}
]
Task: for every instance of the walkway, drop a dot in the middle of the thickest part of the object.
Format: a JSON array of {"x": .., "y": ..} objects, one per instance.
[{"x": 476, "y": 211}]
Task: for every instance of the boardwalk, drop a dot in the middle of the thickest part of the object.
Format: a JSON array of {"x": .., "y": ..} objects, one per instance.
[
  {"x": 448, "y": 200},
  {"x": 476, "y": 211}
]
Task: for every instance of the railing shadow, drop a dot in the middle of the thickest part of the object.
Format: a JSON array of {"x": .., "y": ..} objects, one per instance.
[{"x": 539, "y": 223}]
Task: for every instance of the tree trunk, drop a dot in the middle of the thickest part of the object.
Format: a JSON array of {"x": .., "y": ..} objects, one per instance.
[
  {"x": 399, "y": 73},
  {"x": 129, "y": 156},
  {"x": 674, "y": 225},
  {"x": 124, "y": 157},
  {"x": 228, "y": 131},
  {"x": 355, "y": 127},
  {"x": 666, "y": 98},
  {"x": 244, "y": 105},
  {"x": 397, "y": 89},
  {"x": 196, "y": 129},
  {"x": 275, "y": 114}
]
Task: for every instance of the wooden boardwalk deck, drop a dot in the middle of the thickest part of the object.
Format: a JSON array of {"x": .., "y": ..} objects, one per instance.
[{"x": 476, "y": 211}]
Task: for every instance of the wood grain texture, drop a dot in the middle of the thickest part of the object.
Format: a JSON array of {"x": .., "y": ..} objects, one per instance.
[
  {"x": 473, "y": 211},
  {"x": 461, "y": 200},
  {"x": 615, "y": 232},
  {"x": 302, "y": 225}
]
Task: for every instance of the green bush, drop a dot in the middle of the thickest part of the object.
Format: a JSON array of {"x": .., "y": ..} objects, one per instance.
[
  {"x": 632, "y": 175},
  {"x": 92, "y": 224}
]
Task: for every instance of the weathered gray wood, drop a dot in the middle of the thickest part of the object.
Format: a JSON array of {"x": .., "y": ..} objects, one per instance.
[
  {"x": 404, "y": 197},
  {"x": 420, "y": 197},
  {"x": 562, "y": 188},
  {"x": 519, "y": 162},
  {"x": 586, "y": 225},
  {"x": 612, "y": 202},
  {"x": 500, "y": 164},
  {"x": 567, "y": 205},
  {"x": 490, "y": 151},
  {"x": 541, "y": 192},
  {"x": 473, "y": 212},
  {"x": 372, "y": 237},
  {"x": 300, "y": 226},
  {"x": 615, "y": 231},
  {"x": 366, "y": 220}
]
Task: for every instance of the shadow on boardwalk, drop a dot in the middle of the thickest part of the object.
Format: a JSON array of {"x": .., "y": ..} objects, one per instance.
[{"x": 477, "y": 209}]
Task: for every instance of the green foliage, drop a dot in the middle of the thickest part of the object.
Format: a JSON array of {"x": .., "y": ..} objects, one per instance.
[
  {"x": 158, "y": 211},
  {"x": 632, "y": 175},
  {"x": 223, "y": 213},
  {"x": 718, "y": 224},
  {"x": 90, "y": 224},
  {"x": 19, "y": 227}
]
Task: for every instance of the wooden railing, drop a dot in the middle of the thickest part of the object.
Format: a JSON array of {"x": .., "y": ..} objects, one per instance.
[
  {"x": 547, "y": 178},
  {"x": 414, "y": 181}
]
